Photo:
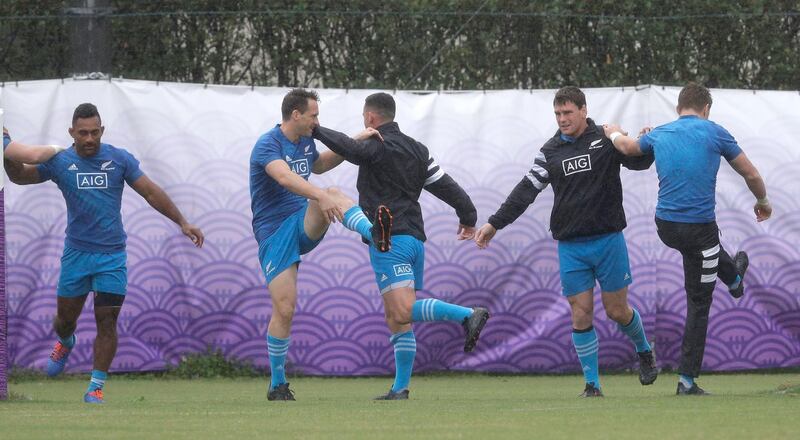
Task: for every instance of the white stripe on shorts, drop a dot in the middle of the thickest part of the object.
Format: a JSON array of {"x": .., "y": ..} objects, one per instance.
[
  {"x": 711, "y": 252},
  {"x": 708, "y": 278}
]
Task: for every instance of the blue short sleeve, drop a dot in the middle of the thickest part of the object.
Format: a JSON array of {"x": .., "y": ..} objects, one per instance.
[
  {"x": 728, "y": 147},
  {"x": 266, "y": 151},
  {"x": 646, "y": 143},
  {"x": 6, "y": 139},
  {"x": 132, "y": 170},
  {"x": 45, "y": 173}
]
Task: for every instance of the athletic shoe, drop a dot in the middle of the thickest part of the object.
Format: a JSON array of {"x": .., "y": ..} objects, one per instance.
[
  {"x": 58, "y": 359},
  {"x": 473, "y": 326},
  {"x": 382, "y": 229},
  {"x": 391, "y": 395},
  {"x": 741, "y": 262},
  {"x": 95, "y": 396},
  {"x": 281, "y": 392},
  {"x": 693, "y": 391},
  {"x": 648, "y": 372},
  {"x": 591, "y": 391}
]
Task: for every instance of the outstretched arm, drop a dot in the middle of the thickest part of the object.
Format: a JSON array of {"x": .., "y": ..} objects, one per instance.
[
  {"x": 447, "y": 190},
  {"x": 326, "y": 161},
  {"x": 20, "y": 173},
  {"x": 30, "y": 153},
  {"x": 281, "y": 173},
  {"x": 622, "y": 142},
  {"x": 355, "y": 151},
  {"x": 159, "y": 200},
  {"x": 27, "y": 153},
  {"x": 742, "y": 165}
]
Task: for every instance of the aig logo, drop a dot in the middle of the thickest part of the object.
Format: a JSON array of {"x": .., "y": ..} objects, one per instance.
[
  {"x": 300, "y": 166},
  {"x": 402, "y": 269},
  {"x": 92, "y": 180},
  {"x": 577, "y": 164}
]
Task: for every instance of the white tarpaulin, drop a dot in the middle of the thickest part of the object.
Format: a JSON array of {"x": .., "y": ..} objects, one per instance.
[{"x": 195, "y": 141}]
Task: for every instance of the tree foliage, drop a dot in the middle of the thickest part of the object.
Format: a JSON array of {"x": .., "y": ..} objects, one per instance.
[{"x": 423, "y": 44}]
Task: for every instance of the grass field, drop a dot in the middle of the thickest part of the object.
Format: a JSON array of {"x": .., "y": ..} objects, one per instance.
[{"x": 746, "y": 406}]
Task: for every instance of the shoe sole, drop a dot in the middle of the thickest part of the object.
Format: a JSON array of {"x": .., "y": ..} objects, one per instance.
[
  {"x": 470, "y": 345},
  {"x": 385, "y": 226},
  {"x": 743, "y": 272}
]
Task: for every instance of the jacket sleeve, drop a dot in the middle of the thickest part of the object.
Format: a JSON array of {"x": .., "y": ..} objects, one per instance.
[
  {"x": 637, "y": 163},
  {"x": 523, "y": 194},
  {"x": 356, "y": 152},
  {"x": 441, "y": 185}
]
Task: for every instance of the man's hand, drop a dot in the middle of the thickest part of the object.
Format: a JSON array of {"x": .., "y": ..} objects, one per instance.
[
  {"x": 194, "y": 233},
  {"x": 330, "y": 207},
  {"x": 368, "y": 133},
  {"x": 644, "y": 131},
  {"x": 485, "y": 235},
  {"x": 611, "y": 128},
  {"x": 465, "y": 232},
  {"x": 763, "y": 211}
]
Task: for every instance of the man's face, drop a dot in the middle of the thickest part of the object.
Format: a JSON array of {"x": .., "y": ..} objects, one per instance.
[
  {"x": 306, "y": 122},
  {"x": 86, "y": 132},
  {"x": 571, "y": 119}
]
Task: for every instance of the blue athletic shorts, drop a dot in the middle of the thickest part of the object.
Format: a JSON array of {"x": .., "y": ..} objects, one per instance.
[
  {"x": 284, "y": 247},
  {"x": 600, "y": 257},
  {"x": 82, "y": 272},
  {"x": 400, "y": 267}
]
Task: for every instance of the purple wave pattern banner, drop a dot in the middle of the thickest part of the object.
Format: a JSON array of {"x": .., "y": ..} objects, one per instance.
[{"x": 195, "y": 142}]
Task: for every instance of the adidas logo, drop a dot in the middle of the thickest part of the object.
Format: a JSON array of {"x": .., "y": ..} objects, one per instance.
[
  {"x": 73, "y": 167},
  {"x": 384, "y": 277}
]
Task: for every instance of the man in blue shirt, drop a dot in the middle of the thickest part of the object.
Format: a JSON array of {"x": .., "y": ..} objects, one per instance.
[
  {"x": 91, "y": 176},
  {"x": 290, "y": 215},
  {"x": 688, "y": 153}
]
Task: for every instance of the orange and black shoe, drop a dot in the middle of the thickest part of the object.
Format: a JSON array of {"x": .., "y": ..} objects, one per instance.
[
  {"x": 382, "y": 229},
  {"x": 58, "y": 358},
  {"x": 95, "y": 396}
]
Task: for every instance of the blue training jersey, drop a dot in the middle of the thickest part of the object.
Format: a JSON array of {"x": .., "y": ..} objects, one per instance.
[
  {"x": 6, "y": 140},
  {"x": 270, "y": 202},
  {"x": 688, "y": 153},
  {"x": 92, "y": 188}
]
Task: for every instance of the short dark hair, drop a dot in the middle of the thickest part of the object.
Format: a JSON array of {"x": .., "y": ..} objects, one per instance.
[
  {"x": 297, "y": 99},
  {"x": 85, "y": 111},
  {"x": 570, "y": 94},
  {"x": 382, "y": 104},
  {"x": 694, "y": 96}
]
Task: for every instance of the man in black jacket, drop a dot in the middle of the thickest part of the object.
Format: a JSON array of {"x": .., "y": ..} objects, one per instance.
[
  {"x": 393, "y": 170},
  {"x": 587, "y": 220}
]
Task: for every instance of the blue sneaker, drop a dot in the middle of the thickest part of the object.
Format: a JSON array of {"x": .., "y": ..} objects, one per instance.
[
  {"x": 95, "y": 396},
  {"x": 58, "y": 359}
]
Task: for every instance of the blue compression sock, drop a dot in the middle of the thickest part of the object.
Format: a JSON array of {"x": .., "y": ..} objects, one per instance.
[
  {"x": 69, "y": 341},
  {"x": 277, "y": 349},
  {"x": 635, "y": 331},
  {"x": 434, "y": 310},
  {"x": 97, "y": 381},
  {"x": 355, "y": 220},
  {"x": 405, "y": 349},
  {"x": 586, "y": 345}
]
